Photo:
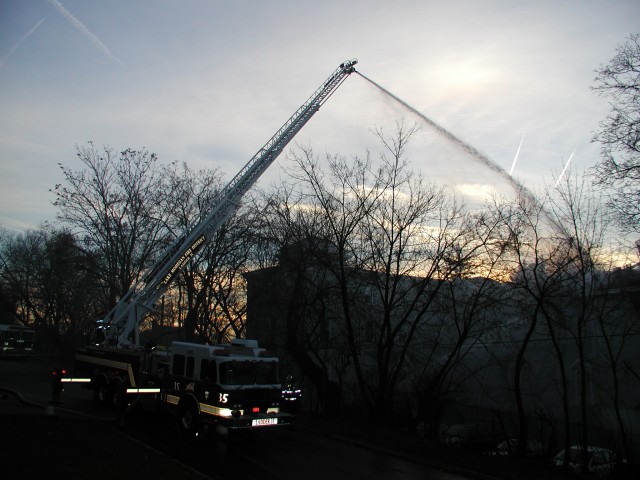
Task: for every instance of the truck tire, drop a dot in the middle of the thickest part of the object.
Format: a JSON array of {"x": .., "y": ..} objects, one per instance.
[
  {"x": 188, "y": 422},
  {"x": 118, "y": 395}
]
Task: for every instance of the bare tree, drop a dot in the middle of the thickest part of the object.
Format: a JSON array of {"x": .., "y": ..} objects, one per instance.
[
  {"x": 54, "y": 284},
  {"x": 112, "y": 204},
  {"x": 584, "y": 228},
  {"x": 302, "y": 292},
  {"x": 465, "y": 315},
  {"x": 395, "y": 238},
  {"x": 539, "y": 263},
  {"x": 8, "y": 305},
  {"x": 211, "y": 285},
  {"x": 343, "y": 200},
  {"x": 618, "y": 323},
  {"x": 619, "y": 133},
  {"x": 224, "y": 261}
]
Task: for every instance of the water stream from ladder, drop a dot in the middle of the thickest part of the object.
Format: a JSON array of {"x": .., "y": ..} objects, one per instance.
[{"x": 475, "y": 154}]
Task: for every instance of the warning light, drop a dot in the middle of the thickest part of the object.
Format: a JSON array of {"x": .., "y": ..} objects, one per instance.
[{"x": 56, "y": 383}]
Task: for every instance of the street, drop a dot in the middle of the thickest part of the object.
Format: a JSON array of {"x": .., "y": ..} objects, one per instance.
[{"x": 268, "y": 454}]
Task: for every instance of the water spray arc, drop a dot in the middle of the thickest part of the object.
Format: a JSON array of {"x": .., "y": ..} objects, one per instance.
[{"x": 519, "y": 188}]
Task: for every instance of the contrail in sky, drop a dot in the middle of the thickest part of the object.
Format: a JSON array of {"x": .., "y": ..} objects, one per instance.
[
  {"x": 13, "y": 49},
  {"x": 516, "y": 157},
  {"x": 84, "y": 30},
  {"x": 565, "y": 168}
]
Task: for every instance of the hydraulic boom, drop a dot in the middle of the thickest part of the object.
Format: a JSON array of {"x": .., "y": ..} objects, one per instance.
[{"x": 120, "y": 326}]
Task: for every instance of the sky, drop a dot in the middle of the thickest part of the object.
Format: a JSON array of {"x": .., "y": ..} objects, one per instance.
[{"x": 208, "y": 82}]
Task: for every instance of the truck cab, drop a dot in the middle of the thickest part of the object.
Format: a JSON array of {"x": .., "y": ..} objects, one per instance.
[{"x": 234, "y": 385}]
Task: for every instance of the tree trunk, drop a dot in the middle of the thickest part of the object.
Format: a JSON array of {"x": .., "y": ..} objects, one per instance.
[{"x": 522, "y": 418}]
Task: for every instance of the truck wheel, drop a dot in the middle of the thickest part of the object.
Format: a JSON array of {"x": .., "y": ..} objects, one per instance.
[
  {"x": 188, "y": 419},
  {"x": 118, "y": 395}
]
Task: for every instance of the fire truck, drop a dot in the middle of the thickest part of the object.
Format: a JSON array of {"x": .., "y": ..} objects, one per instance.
[{"x": 235, "y": 385}]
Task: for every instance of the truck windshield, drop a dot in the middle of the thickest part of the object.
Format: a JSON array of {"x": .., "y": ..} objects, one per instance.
[{"x": 248, "y": 372}]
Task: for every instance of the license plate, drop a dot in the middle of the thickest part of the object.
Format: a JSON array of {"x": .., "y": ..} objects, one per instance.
[{"x": 261, "y": 422}]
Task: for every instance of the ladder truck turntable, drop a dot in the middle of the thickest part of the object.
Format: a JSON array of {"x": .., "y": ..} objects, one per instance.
[{"x": 233, "y": 385}]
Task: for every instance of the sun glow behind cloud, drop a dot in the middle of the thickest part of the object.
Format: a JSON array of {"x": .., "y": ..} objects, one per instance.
[
  {"x": 467, "y": 75},
  {"x": 479, "y": 192}
]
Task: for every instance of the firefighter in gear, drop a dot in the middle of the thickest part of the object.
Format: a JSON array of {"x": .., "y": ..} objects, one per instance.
[{"x": 291, "y": 394}]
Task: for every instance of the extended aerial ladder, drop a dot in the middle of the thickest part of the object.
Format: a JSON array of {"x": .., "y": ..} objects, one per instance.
[{"x": 120, "y": 326}]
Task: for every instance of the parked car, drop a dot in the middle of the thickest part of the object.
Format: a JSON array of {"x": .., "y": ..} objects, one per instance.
[
  {"x": 598, "y": 460},
  {"x": 457, "y": 434},
  {"x": 510, "y": 447},
  {"x": 475, "y": 436},
  {"x": 431, "y": 431}
]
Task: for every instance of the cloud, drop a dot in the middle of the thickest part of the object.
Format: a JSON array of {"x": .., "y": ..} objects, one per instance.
[
  {"x": 84, "y": 30},
  {"x": 475, "y": 190},
  {"x": 14, "y": 225}
]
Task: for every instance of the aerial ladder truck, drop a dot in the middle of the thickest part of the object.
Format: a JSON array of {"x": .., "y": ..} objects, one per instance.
[{"x": 234, "y": 385}]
